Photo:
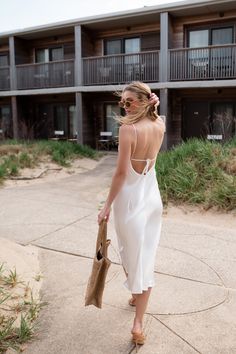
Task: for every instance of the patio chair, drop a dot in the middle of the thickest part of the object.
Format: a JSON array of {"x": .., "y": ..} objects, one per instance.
[{"x": 105, "y": 141}]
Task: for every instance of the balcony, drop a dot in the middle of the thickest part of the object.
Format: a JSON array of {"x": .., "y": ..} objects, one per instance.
[
  {"x": 206, "y": 63},
  {"x": 45, "y": 75},
  {"x": 121, "y": 68},
  {"x": 4, "y": 78}
]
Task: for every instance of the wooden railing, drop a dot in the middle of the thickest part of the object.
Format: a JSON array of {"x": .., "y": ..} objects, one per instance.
[
  {"x": 121, "y": 68},
  {"x": 4, "y": 78},
  {"x": 206, "y": 63},
  {"x": 43, "y": 75}
]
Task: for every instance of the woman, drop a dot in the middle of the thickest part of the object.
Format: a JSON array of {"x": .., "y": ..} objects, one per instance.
[{"x": 134, "y": 193}]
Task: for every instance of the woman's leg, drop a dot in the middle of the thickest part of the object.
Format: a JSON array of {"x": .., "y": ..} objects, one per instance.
[
  {"x": 133, "y": 295},
  {"x": 141, "y": 305}
]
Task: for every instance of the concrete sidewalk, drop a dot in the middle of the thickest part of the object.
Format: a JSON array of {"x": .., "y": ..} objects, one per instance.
[{"x": 192, "y": 307}]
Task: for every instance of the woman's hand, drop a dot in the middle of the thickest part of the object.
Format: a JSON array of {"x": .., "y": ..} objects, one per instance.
[
  {"x": 154, "y": 99},
  {"x": 104, "y": 214}
]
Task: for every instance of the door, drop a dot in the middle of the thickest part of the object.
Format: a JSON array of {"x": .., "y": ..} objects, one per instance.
[
  {"x": 221, "y": 58},
  {"x": 195, "y": 119},
  {"x": 222, "y": 120},
  {"x": 5, "y": 122}
]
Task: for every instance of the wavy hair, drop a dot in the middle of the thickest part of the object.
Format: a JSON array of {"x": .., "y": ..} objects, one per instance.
[{"x": 145, "y": 109}]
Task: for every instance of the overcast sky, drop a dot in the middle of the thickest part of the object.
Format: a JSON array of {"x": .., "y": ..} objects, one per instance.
[{"x": 18, "y": 14}]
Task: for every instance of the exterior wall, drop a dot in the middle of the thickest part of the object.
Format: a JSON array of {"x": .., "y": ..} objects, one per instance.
[
  {"x": 99, "y": 37},
  {"x": 179, "y": 98},
  {"x": 34, "y": 123},
  {"x": 180, "y": 25}
]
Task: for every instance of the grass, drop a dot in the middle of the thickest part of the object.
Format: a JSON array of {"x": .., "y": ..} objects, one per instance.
[
  {"x": 199, "y": 172},
  {"x": 16, "y": 155},
  {"x": 18, "y": 311}
]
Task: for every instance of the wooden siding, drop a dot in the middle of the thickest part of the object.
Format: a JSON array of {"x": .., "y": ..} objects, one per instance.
[
  {"x": 124, "y": 68},
  {"x": 52, "y": 74},
  {"x": 180, "y": 25},
  {"x": 4, "y": 48}
]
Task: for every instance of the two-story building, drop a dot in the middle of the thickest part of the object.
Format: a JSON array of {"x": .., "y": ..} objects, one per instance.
[{"x": 60, "y": 79}]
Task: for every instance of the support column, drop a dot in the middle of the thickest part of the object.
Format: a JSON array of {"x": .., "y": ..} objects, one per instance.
[
  {"x": 14, "y": 117},
  {"x": 79, "y": 117},
  {"x": 78, "y": 57},
  {"x": 164, "y": 71},
  {"x": 164, "y": 112},
  {"x": 164, "y": 38},
  {"x": 13, "y": 78}
]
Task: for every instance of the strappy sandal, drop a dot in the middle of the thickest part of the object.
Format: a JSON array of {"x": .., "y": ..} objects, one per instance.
[
  {"x": 132, "y": 301},
  {"x": 138, "y": 338}
]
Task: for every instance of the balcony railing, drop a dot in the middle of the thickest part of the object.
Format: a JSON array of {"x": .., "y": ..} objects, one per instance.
[
  {"x": 4, "y": 78},
  {"x": 122, "y": 68},
  {"x": 206, "y": 63},
  {"x": 44, "y": 75}
]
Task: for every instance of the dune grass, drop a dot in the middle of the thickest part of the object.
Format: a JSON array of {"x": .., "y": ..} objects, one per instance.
[
  {"x": 199, "y": 172},
  {"x": 15, "y": 155},
  {"x": 18, "y": 311}
]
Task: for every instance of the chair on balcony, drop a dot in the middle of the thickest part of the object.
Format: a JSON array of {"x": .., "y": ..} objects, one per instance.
[
  {"x": 105, "y": 73},
  {"x": 105, "y": 141}
]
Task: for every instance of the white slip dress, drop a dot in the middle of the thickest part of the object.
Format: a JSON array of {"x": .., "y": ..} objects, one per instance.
[{"x": 137, "y": 214}]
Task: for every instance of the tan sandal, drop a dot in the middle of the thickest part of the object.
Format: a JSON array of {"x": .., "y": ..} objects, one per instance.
[
  {"x": 132, "y": 301},
  {"x": 138, "y": 338}
]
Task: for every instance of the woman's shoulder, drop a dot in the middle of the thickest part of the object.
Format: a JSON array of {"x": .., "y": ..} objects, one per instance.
[
  {"x": 160, "y": 124},
  {"x": 125, "y": 128}
]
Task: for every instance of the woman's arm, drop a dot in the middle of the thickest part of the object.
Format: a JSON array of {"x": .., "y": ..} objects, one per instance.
[{"x": 124, "y": 153}]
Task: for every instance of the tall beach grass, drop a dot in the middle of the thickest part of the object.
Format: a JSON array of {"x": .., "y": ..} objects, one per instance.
[{"x": 199, "y": 172}]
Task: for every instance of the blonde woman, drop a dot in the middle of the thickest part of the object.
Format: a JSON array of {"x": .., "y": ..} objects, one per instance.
[{"x": 135, "y": 196}]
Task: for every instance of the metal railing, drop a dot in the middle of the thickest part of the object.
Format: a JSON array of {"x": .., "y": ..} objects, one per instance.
[
  {"x": 121, "y": 68},
  {"x": 4, "y": 78},
  {"x": 44, "y": 75},
  {"x": 206, "y": 63}
]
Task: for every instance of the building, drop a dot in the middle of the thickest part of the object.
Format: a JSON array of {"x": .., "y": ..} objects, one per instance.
[{"x": 59, "y": 80}]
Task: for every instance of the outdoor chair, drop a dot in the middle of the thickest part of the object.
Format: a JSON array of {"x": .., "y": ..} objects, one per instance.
[{"x": 105, "y": 141}]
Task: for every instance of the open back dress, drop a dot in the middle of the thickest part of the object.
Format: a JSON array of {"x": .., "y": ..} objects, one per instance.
[{"x": 137, "y": 212}]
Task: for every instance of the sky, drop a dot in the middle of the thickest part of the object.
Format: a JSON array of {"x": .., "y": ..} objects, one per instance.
[{"x": 19, "y": 14}]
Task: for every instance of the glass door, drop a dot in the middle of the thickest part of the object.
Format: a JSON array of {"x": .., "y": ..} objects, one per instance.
[
  {"x": 111, "y": 110},
  {"x": 222, "y": 58},
  {"x": 5, "y": 122},
  {"x": 222, "y": 120},
  {"x": 60, "y": 121},
  {"x": 73, "y": 122},
  {"x": 198, "y": 57}
]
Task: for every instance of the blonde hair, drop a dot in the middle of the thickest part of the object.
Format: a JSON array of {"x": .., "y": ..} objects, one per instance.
[{"x": 146, "y": 109}]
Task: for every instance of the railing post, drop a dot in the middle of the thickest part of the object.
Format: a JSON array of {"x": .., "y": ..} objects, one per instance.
[
  {"x": 78, "y": 57},
  {"x": 13, "y": 78}
]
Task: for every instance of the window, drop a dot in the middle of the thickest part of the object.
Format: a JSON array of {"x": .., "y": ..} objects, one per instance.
[
  {"x": 60, "y": 120},
  {"x": 5, "y": 122},
  {"x": 222, "y": 120},
  {"x": 48, "y": 54},
  {"x": 65, "y": 123},
  {"x": 73, "y": 121},
  {"x": 221, "y": 36},
  {"x": 123, "y": 45},
  {"x": 210, "y": 36},
  {"x": 198, "y": 38},
  {"x": 111, "y": 110}
]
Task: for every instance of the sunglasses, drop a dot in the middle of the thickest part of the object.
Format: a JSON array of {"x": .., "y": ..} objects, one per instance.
[{"x": 125, "y": 104}]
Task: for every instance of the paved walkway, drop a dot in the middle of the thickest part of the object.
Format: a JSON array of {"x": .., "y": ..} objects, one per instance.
[{"x": 192, "y": 307}]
